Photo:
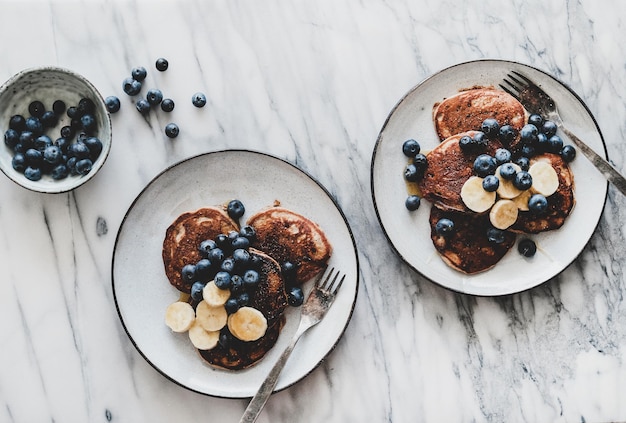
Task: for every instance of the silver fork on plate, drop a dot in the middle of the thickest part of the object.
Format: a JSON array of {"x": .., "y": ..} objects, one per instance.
[
  {"x": 313, "y": 310},
  {"x": 536, "y": 100}
]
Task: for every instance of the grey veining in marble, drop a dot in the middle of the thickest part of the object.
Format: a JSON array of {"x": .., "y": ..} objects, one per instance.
[{"x": 311, "y": 82}]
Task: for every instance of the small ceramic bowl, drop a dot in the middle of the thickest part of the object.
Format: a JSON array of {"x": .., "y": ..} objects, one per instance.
[{"x": 48, "y": 84}]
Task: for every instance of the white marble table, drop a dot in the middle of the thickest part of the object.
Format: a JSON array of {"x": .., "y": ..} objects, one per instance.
[{"x": 310, "y": 82}]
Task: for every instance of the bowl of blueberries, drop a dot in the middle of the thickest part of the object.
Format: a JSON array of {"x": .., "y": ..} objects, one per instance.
[{"x": 57, "y": 130}]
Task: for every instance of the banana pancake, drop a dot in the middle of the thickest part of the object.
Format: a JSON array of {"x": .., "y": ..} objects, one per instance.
[
  {"x": 185, "y": 234},
  {"x": 468, "y": 249},
  {"x": 289, "y": 236},
  {"x": 560, "y": 203},
  {"x": 448, "y": 169},
  {"x": 466, "y": 110},
  {"x": 270, "y": 299}
]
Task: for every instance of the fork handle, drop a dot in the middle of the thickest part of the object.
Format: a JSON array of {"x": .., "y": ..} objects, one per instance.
[
  {"x": 609, "y": 172},
  {"x": 267, "y": 387}
]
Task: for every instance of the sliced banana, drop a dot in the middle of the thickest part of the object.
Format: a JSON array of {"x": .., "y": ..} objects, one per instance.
[
  {"x": 215, "y": 296},
  {"x": 179, "y": 316},
  {"x": 474, "y": 195},
  {"x": 545, "y": 178},
  {"x": 506, "y": 189},
  {"x": 522, "y": 200},
  {"x": 201, "y": 338},
  {"x": 503, "y": 214},
  {"x": 247, "y": 324},
  {"x": 211, "y": 318}
]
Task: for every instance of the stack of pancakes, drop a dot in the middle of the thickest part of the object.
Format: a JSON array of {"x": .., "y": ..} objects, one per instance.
[{"x": 468, "y": 249}]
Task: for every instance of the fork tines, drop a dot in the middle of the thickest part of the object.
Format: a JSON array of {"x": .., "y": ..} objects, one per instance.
[{"x": 329, "y": 286}]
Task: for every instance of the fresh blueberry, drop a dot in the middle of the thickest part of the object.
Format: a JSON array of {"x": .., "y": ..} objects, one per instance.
[
  {"x": 484, "y": 165},
  {"x": 411, "y": 148},
  {"x": 243, "y": 299},
  {"x": 171, "y": 130},
  {"x": 17, "y": 122},
  {"x": 535, "y": 119},
  {"x": 568, "y": 153},
  {"x": 228, "y": 265},
  {"x": 421, "y": 162},
  {"x": 248, "y": 231},
  {"x": 495, "y": 235},
  {"x": 78, "y": 150},
  {"x": 523, "y": 180},
  {"x": 162, "y": 64},
  {"x": 412, "y": 202},
  {"x": 139, "y": 73},
  {"x": 85, "y": 106},
  {"x": 528, "y": 134},
  {"x": 89, "y": 124},
  {"x": 549, "y": 128},
  {"x": 196, "y": 290},
  {"x": 523, "y": 162},
  {"x": 167, "y": 105},
  {"x": 188, "y": 273},
  {"x": 68, "y": 132},
  {"x": 58, "y": 107},
  {"x": 411, "y": 173},
  {"x": 198, "y": 99},
  {"x": 235, "y": 209},
  {"x": 537, "y": 204},
  {"x": 32, "y": 173},
  {"x": 222, "y": 280},
  {"x": 543, "y": 143},
  {"x": 52, "y": 154},
  {"x": 502, "y": 155},
  {"x": 62, "y": 143},
  {"x": 84, "y": 166},
  {"x": 241, "y": 256},
  {"x": 480, "y": 139},
  {"x": 11, "y": 137},
  {"x": 231, "y": 305},
  {"x": 528, "y": 150},
  {"x": 112, "y": 104},
  {"x": 36, "y": 108},
  {"x": 95, "y": 147},
  {"x": 206, "y": 246},
  {"x": 288, "y": 270},
  {"x": 251, "y": 278},
  {"x": 60, "y": 171},
  {"x": 143, "y": 106},
  {"x": 295, "y": 296},
  {"x": 131, "y": 86},
  {"x": 72, "y": 112},
  {"x": 34, "y": 125},
  {"x": 556, "y": 144},
  {"x": 222, "y": 242},
  {"x": 241, "y": 243},
  {"x": 19, "y": 162},
  {"x": 27, "y": 139},
  {"x": 203, "y": 270},
  {"x": 226, "y": 338},
  {"x": 466, "y": 143},
  {"x": 236, "y": 284},
  {"x": 42, "y": 142},
  {"x": 154, "y": 97},
  {"x": 527, "y": 247},
  {"x": 49, "y": 119},
  {"x": 34, "y": 158},
  {"x": 491, "y": 183},
  {"x": 508, "y": 171},
  {"x": 490, "y": 127},
  {"x": 444, "y": 227},
  {"x": 71, "y": 165}
]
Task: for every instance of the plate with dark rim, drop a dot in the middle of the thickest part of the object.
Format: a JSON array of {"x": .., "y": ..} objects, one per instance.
[
  {"x": 142, "y": 291},
  {"x": 409, "y": 232}
]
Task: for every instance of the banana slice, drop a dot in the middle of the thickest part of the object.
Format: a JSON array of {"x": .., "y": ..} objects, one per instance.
[
  {"x": 474, "y": 195},
  {"x": 503, "y": 214},
  {"x": 211, "y": 318},
  {"x": 545, "y": 178},
  {"x": 215, "y": 296},
  {"x": 522, "y": 200},
  {"x": 201, "y": 338},
  {"x": 506, "y": 189},
  {"x": 247, "y": 324},
  {"x": 179, "y": 316}
]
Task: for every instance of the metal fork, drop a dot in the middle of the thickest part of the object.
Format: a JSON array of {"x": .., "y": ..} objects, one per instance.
[
  {"x": 313, "y": 310},
  {"x": 536, "y": 100}
]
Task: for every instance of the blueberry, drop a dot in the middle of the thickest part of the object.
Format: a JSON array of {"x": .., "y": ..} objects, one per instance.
[
  {"x": 89, "y": 124},
  {"x": 11, "y": 137},
  {"x": 412, "y": 202},
  {"x": 523, "y": 162},
  {"x": 411, "y": 148},
  {"x": 288, "y": 270},
  {"x": 549, "y": 128},
  {"x": 568, "y": 153},
  {"x": 243, "y": 299},
  {"x": 71, "y": 165},
  {"x": 491, "y": 183},
  {"x": 131, "y": 86},
  {"x": 34, "y": 125},
  {"x": 411, "y": 173},
  {"x": 188, "y": 273},
  {"x": 198, "y": 99},
  {"x": 167, "y": 105},
  {"x": 222, "y": 280},
  {"x": 85, "y": 106},
  {"x": 154, "y": 97},
  {"x": 251, "y": 278},
  {"x": 484, "y": 165},
  {"x": 139, "y": 73},
  {"x": 222, "y": 241},
  {"x": 231, "y": 237},
  {"x": 543, "y": 143},
  {"x": 19, "y": 162},
  {"x": 60, "y": 171},
  {"x": 467, "y": 143},
  {"x": 444, "y": 227},
  {"x": 490, "y": 127},
  {"x": 535, "y": 119},
  {"x": 206, "y": 246},
  {"x": 228, "y": 265},
  {"x": 241, "y": 256},
  {"x": 528, "y": 150},
  {"x": 42, "y": 142},
  {"x": 27, "y": 139},
  {"x": 171, "y": 130},
  {"x": 95, "y": 147},
  {"x": 34, "y": 158},
  {"x": 508, "y": 171},
  {"x": 52, "y": 154},
  {"x": 480, "y": 140},
  {"x": 112, "y": 104},
  {"x": 162, "y": 64},
  {"x": 236, "y": 284},
  {"x": 421, "y": 162},
  {"x": 32, "y": 173},
  {"x": 495, "y": 235},
  {"x": 62, "y": 143},
  {"x": 235, "y": 209},
  {"x": 231, "y": 305},
  {"x": 502, "y": 155},
  {"x": 295, "y": 296},
  {"x": 527, "y": 247},
  {"x": 528, "y": 134},
  {"x": 78, "y": 150},
  {"x": 72, "y": 112},
  {"x": 248, "y": 231},
  {"x": 556, "y": 144},
  {"x": 225, "y": 338},
  {"x": 58, "y": 107},
  {"x": 241, "y": 242},
  {"x": 68, "y": 132},
  {"x": 84, "y": 166},
  {"x": 538, "y": 204},
  {"x": 203, "y": 270},
  {"x": 143, "y": 106},
  {"x": 17, "y": 122},
  {"x": 49, "y": 119},
  {"x": 36, "y": 108},
  {"x": 523, "y": 180},
  {"x": 196, "y": 291}
]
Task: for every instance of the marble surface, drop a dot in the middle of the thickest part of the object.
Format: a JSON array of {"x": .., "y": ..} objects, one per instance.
[{"x": 310, "y": 82}]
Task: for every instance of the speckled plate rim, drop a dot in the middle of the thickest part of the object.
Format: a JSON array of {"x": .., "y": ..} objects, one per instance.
[
  {"x": 514, "y": 273},
  {"x": 194, "y": 374}
]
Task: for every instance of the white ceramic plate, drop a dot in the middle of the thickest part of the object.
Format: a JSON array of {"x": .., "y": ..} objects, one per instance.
[
  {"x": 142, "y": 291},
  {"x": 409, "y": 232}
]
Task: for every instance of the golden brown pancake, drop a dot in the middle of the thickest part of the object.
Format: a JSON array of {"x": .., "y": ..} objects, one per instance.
[
  {"x": 468, "y": 249},
  {"x": 448, "y": 169},
  {"x": 289, "y": 236},
  {"x": 467, "y": 110},
  {"x": 560, "y": 203},
  {"x": 184, "y": 235}
]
